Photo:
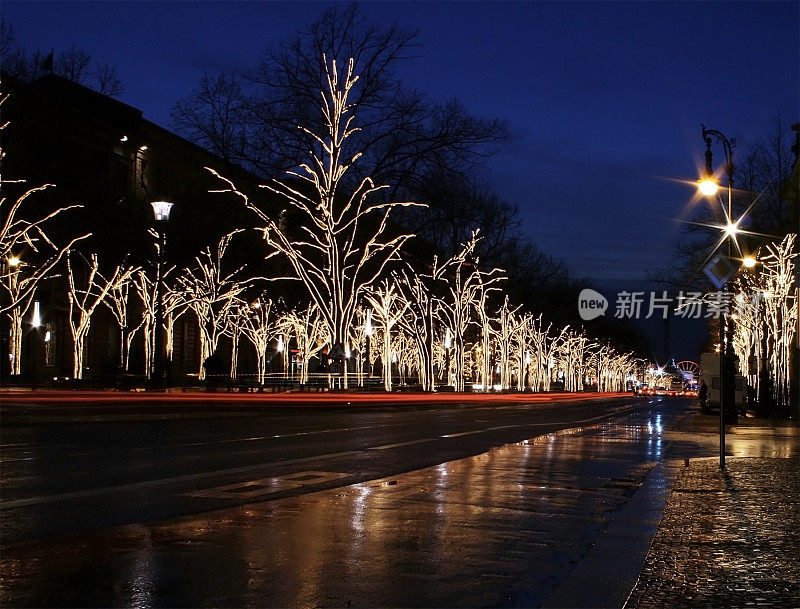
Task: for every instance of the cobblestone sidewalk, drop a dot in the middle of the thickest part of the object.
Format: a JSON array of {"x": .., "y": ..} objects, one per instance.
[{"x": 727, "y": 540}]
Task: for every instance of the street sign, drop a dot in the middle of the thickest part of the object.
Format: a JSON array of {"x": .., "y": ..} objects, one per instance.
[{"x": 719, "y": 270}]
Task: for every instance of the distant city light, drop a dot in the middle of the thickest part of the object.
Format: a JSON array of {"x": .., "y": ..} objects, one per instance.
[{"x": 36, "y": 320}]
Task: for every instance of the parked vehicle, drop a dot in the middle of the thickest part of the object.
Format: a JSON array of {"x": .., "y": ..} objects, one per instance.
[{"x": 709, "y": 372}]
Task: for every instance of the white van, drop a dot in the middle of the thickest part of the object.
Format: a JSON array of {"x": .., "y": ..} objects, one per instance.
[{"x": 709, "y": 372}]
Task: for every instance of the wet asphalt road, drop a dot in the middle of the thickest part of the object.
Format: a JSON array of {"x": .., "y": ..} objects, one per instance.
[
  {"x": 68, "y": 477},
  {"x": 409, "y": 517}
]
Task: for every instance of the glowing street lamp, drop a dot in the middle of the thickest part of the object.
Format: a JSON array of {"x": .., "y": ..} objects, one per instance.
[
  {"x": 729, "y": 231},
  {"x": 749, "y": 262},
  {"x": 161, "y": 212},
  {"x": 708, "y": 187}
]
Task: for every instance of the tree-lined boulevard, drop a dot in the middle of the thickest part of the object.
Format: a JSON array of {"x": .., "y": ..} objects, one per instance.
[
  {"x": 296, "y": 350},
  {"x": 549, "y": 504}
]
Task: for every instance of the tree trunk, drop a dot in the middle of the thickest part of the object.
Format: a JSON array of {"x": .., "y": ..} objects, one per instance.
[
  {"x": 78, "y": 353},
  {"x": 16, "y": 341}
]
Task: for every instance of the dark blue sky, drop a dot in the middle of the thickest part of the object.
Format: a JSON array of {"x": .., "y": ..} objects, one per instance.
[{"x": 604, "y": 100}]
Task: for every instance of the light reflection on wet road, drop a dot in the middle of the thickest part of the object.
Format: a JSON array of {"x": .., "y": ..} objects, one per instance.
[{"x": 503, "y": 528}]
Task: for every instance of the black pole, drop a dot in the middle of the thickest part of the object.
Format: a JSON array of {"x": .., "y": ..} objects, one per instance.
[
  {"x": 727, "y": 380},
  {"x": 369, "y": 362},
  {"x": 158, "y": 356}
]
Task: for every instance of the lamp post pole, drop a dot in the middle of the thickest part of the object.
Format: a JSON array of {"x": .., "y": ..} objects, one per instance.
[
  {"x": 161, "y": 210},
  {"x": 368, "y": 334},
  {"x": 727, "y": 389}
]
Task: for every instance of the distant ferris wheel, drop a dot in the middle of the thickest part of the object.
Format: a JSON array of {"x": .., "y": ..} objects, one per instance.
[{"x": 688, "y": 367}]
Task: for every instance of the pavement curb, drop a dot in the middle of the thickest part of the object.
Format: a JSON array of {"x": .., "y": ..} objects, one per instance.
[{"x": 608, "y": 574}]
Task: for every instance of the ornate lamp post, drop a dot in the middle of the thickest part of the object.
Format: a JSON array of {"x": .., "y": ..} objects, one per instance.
[
  {"x": 161, "y": 211},
  {"x": 708, "y": 187}
]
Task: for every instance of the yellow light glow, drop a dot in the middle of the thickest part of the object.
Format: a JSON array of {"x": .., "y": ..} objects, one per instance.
[
  {"x": 708, "y": 187},
  {"x": 14, "y": 261},
  {"x": 731, "y": 229},
  {"x": 749, "y": 262}
]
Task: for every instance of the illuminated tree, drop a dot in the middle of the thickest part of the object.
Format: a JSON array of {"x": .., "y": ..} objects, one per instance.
[
  {"x": 765, "y": 321},
  {"x": 22, "y": 235},
  {"x": 259, "y": 327},
  {"x": 420, "y": 292},
  {"x": 213, "y": 295},
  {"x": 545, "y": 348},
  {"x": 360, "y": 336},
  {"x": 466, "y": 290},
  {"x": 147, "y": 290},
  {"x": 310, "y": 333},
  {"x": 520, "y": 346},
  {"x": 781, "y": 311},
  {"x": 117, "y": 302},
  {"x": 347, "y": 240},
  {"x": 389, "y": 309},
  {"x": 486, "y": 365},
  {"x": 176, "y": 303},
  {"x": 571, "y": 353},
  {"x": 508, "y": 327},
  {"x": 84, "y": 298}
]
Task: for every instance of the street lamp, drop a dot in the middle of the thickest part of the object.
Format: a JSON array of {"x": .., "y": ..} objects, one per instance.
[
  {"x": 161, "y": 211},
  {"x": 727, "y": 389}
]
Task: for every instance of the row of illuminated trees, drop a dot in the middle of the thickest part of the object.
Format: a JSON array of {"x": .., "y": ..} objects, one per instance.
[
  {"x": 765, "y": 320},
  {"x": 366, "y": 303}
]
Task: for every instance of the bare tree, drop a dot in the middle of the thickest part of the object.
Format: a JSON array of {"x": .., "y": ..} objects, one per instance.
[
  {"x": 74, "y": 64},
  {"x": 404, "y": 136},
  {"x": 7, "y": 37},
  {"x": 216, "y": 116},
  {"x": 107, "y": 80}
]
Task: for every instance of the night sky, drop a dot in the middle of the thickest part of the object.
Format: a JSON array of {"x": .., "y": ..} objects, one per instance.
[{"x": 604, "y": 100}]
